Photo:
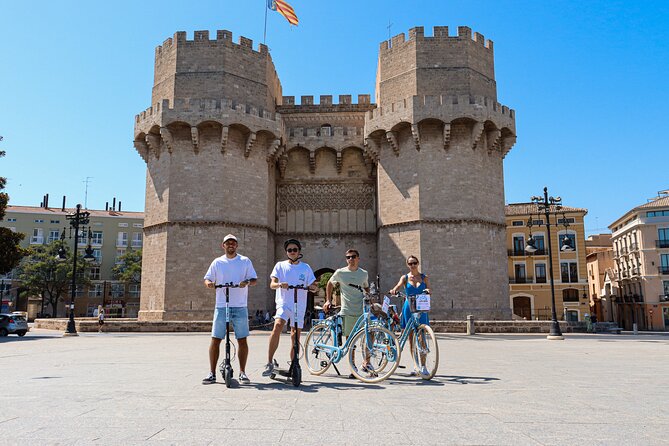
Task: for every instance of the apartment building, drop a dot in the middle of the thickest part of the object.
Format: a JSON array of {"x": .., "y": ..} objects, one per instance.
[
  {"x": 529, "y": 275},
  {"x": 112, "y": 231},
  {"x": 641, "y": 254},
  {"x": 600, "y": 266}
]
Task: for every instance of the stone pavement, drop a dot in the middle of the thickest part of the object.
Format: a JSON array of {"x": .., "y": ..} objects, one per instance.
[{"x": 132, "y": 388}]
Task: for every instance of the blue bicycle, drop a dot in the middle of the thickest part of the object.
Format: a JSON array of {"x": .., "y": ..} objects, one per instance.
[
  {"x": 422, "y": 341},
  {"x": 370, "y": 349}
]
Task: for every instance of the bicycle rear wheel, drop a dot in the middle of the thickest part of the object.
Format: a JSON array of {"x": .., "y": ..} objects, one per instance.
[
  {"x": 374, "y": 346},
  {"x": 425, "y": 351},
  {"x": 318, "y": 360}
]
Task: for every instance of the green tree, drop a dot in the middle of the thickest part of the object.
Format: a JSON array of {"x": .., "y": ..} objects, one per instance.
[
  {"x": 10, "y": 250},
  {"x": 42, "y": 273},
  {"x": 129, "y": 268}
]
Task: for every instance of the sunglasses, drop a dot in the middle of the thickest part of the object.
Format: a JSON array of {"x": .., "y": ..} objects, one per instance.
[
  {"x": 412, "y": 263},
  {"x": 351, "y": 257},
  {"x": 292, "y": 250}
]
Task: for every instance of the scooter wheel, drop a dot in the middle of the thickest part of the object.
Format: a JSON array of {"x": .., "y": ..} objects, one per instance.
[
  {"x": 297, "y": 376},
  {"x": 228, "y": 378}
]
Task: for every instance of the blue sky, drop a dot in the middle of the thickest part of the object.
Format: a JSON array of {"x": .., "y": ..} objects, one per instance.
[{"x": 587, "y": 81}]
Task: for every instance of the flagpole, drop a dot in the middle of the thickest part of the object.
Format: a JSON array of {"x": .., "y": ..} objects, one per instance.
[{"x": 264, "y": 35}]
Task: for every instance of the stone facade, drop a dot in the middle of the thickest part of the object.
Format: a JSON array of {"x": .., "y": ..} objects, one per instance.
[{"x": 418, "y": 172}]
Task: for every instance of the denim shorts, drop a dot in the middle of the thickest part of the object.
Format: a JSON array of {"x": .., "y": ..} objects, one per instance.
[{"x": 239, "y": 320}]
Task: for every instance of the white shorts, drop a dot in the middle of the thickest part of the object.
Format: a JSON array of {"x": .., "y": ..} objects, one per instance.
[{"x": 285, "y": 312}]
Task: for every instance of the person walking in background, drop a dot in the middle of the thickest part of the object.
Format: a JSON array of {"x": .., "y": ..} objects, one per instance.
[{"x": 101, "y": 318}]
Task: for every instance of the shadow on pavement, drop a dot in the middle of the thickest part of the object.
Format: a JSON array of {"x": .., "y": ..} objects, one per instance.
[
  {"x": 14, "y": 338},
  {"x": 308, "y": 386},
  {"x": 467, "y": 379}
]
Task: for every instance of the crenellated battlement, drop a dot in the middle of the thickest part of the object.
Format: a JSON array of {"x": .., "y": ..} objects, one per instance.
[
  {"x": 439, "y": 33},
  {"x": 444, "y": 101},
  {"x": 326, "y": 100},
  {"x": 223, "y": 37}
]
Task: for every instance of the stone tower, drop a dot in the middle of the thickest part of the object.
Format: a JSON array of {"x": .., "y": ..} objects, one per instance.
[
  {"x": 440, "y": 137},
  {"x": 419, "y": 172},
  {"x": 205, "y": 141}
]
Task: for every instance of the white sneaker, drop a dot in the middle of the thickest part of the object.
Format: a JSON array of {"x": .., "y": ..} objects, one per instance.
[
  {"x": 424, "y": 371},
  {"x": 243, "y": 378},
  {"x": 269, "y": 369}
]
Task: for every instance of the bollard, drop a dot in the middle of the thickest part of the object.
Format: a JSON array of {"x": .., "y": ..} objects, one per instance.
[
  {"x": 470, "y": 325},
  {"x": 635, "y": 329}
]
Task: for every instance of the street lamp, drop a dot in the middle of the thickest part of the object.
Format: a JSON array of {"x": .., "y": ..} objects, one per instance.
[
  {"x": 549, "y": 205},
  {"x": 77, "y": 219}
]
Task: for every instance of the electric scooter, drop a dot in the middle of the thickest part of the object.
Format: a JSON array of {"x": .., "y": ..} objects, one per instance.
[
  {"x": 226, "y": 366},
  {"x": 294, "y": 372}
]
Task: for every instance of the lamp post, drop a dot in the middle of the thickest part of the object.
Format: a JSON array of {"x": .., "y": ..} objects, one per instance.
[
  {"x": 77, "y": 219},
  {"x": 545, "y": 204}
]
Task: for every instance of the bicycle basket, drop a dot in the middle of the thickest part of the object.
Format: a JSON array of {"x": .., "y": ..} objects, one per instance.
[
  {"x": 419, "y": 303},
  {"x": 377, "y": 310}
]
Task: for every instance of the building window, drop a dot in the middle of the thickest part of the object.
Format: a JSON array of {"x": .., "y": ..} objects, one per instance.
[
  {"x": 55, "y": 222},
  {"x": 117, "y": 290},
  {"x": 540, "y": 272},
  {"x": 663, "y": 238},
  {"x": 97, "y": 238},
  {"x": 517, "y": 223},
  {"x": 664, "y": 261},
  {"x": 137, "y": 225},
  {"x": 519, "y": 272},
  {"x": 570, "y": 237},
  {"x": 518, "y": 245},
  {"x": 570, "y": 295},
  {"x": 38, "y": 237},
  {"x": 539, "y": 244},
  {"x": 123, "y": 225},
  {"x": 122, "y": 240},
  {"x": 11, "y": 219},
  {"x": 54, "y": 235},
  {"x": 133, "y": 290},
  {"x": 136, "y": 240},
  {"x": 95, "y": 273},
  {"x": 39, "y": 220},
  {"x": 79, "y": 291},
  {"x": 569, "y": 272},
  {"x": 97, "y": 253},
  {"x": 326, "y": 130},
  {"x": 119, "y": 253},
  {"x": 95, "y": 290},
  {"x": 561, "y": 221},
  {"x": 657, "y": 213}
]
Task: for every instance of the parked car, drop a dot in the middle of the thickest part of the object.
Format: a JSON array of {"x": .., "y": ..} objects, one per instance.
[{"x": 13, "y": 324}]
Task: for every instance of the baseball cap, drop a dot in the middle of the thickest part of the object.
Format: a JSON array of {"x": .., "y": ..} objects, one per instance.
[{"x": 229, "y": 237}]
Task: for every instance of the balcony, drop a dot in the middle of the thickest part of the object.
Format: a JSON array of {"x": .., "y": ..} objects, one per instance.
[
  {"x": 634, "y": 247},
  {"x": 663, "y": 269},
  {"x": 623, "y": 251},
  {"x": 520, "y": 280},
  {"x": 624, "y": 274},
  {"x": 121, "y": 243},
  {"x": 635, "y": 271},
  {"x": 516, "y": 253},
  {"x": 36, "y": 240},
  {"x": 541, "y": 279},
  {"x": 136, "y": 244},
  {"x": 662, "y": 243}
]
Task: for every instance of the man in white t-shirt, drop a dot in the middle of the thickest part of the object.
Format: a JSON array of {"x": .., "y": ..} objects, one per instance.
[
  {"x": 236, "y": 269},
  {"x": 288, "y": 272}
]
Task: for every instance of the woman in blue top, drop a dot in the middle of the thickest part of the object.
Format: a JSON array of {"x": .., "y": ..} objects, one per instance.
[{"x": 414, "y": 283}]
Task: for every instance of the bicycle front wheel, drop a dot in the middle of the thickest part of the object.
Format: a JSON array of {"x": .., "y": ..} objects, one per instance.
[
  {"x": 374, "y": 346},
  {"x": 425, "y": 351},
  {"x": 318, "y": 359}
]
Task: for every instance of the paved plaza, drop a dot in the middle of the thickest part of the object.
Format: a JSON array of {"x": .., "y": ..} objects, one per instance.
[{"x": 128, "y": 388}]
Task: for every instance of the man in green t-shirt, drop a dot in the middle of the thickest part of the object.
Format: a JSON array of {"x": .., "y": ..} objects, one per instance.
[{"x": 351, "y": 297}]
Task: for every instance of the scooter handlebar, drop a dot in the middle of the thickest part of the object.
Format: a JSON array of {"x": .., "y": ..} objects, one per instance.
[
  {"x": 298, "y": 287},
  {"x": 227, "y": 285}
]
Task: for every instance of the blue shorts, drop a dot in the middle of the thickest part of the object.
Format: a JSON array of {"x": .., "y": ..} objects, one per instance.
[
  {"x": 406, "y": 315},
  {"x": 239, "y": 319}
]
